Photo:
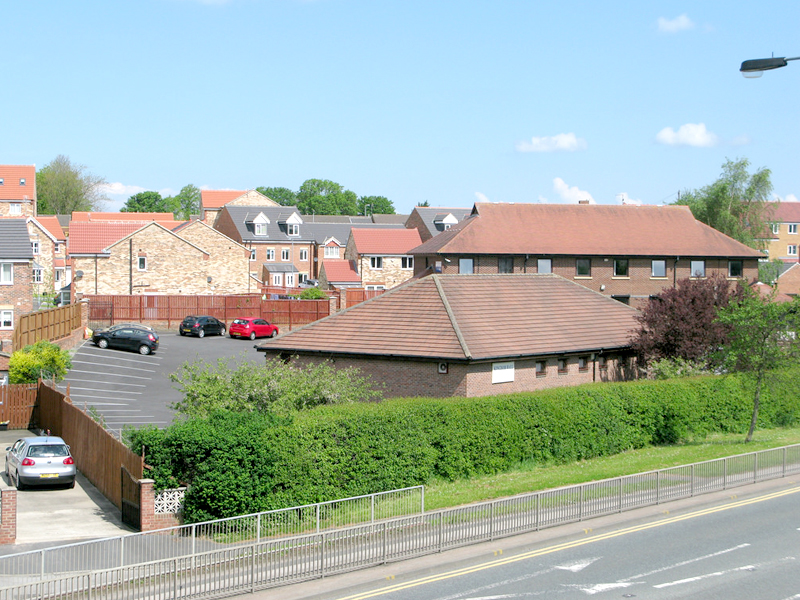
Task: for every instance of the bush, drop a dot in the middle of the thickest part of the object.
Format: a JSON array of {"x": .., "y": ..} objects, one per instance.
[
  {"x": 313, "y": 293},
  {"x": 42, "y": 359}
]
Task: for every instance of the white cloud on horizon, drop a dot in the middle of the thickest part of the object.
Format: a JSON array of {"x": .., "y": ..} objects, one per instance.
[
  {"x": 680, "y": 23},
  {"x": 482, "y": 197},
  {"x": 562, "y": 142},
  {"x": 571, "y": 195},
  {"x": 787, "y": 198},
  {"x": 690, "y": 134},
  {"x": 120, "y": 189},
  {"x": 623, "y": 198}
]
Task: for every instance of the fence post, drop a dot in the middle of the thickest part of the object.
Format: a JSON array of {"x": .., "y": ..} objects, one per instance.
[
  {"x": 620, "y": 494},
  {"x": 384, "y": 542},
  {"x": 253, "y": 569},
  {"x": 580, "y": 504},
  {"x": 725, "y": 473},
  {"x": 538, "y": 509},
  {"x": 491, "y": 521},
  {"x": 258, "y": 525},
  {"x": 783, "y": 470},
  {"x": 121, "y": 551},
  {"x": 691, "y": 483},
  {"x": 317, "y": 517},
  {"x": 322, "y": 555},
  {"x": 372, "y": 508},
  {"x": 658, "y": 487},
  {"x": 422, "y": 500},
  {"x": 441, "y": 534},
  {"x": 755, "y": 467},
  {"x": 42, "y": 565}
]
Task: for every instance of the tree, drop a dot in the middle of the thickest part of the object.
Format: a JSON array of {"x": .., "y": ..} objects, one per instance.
[
  {"x": 324, "y": 197},
  {"x": 42, "y": 359},
  {"x": 370, "y": 205},
  {"x": 63, "y": 187},
  {"x": 761, "y": 337},
  {"x": 737, "y": 204},
  {"x": 769, "y": 271},
  {"x": 281, "y": 195},
  {"x": 186, "y": 203},
  {"x": 149, "y": 202},
  {"x": 424, "y": 203},
  {"x": 681, "y": 322}
]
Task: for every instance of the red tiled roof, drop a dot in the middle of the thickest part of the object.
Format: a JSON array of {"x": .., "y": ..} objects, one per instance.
[
  {"x": 588, "y": 230},
  {"x": 11, "y": 176},
  {"x": 93, "y": 237},
  {"x": 123, "y": 216},
  {"x": 472, "y": 317},
  {"x": 50, "y": 222},
  {"x": 338, "y": 270},
  {"x": 784, "y": 212},
  {"x": 218, "y": 198},
  {"x": 766, "y": 290},
  {"x": 385, "y": 241}
]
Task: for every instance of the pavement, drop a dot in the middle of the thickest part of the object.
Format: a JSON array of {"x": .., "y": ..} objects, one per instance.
[{"x": 53, "y": 516}]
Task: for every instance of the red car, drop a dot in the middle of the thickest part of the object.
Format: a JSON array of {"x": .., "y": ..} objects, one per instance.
[{"x": 251, "y": 327}]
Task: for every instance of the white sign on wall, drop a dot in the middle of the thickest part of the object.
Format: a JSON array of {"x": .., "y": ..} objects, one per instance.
[{"x": 502, "y": 372}]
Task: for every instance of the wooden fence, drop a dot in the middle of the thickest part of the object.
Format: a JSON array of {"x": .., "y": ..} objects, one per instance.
[
  {"x": 169, "y": 310},
  {"x": 17, "y": 405},
  {"x": 51, "y": 324}
]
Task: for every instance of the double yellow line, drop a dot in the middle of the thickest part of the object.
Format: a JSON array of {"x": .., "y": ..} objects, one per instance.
[{"x": 567, "y": 545}]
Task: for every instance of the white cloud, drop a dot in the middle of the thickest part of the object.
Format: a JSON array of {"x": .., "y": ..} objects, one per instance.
[
  {"x": 562, "y": 142},
  {"x": 623, "y": 198},
  {"x": 570, "y": 194},
  {"x": 681, "y": 23},
  {"x": 481, "y": 197},
  {"x": 120, "y": 189},
  {"x": 787, "y": 198},
  {"x": 691, "y": 134}
]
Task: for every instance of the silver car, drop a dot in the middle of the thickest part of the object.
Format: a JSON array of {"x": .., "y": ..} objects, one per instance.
[{"x": 43, "y": 460}]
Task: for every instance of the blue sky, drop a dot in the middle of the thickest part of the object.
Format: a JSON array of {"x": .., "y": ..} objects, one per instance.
[{"x": 449, "y": 102}]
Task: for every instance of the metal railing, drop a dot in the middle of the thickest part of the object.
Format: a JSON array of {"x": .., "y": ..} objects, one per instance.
[{"x": 258, "y": 564}]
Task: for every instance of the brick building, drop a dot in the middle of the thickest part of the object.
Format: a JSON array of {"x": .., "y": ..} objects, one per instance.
[
  {"x": 381, "y": 256},
  {"x": 784, "y": 230},
  {"x": 16, "y": 277},
  {"x": 626, "y": 252},
  {"x": 17, "y": 190},
  {"x": 212, "y": 201},
  {"x": 431, "y": 221},
  {"x": 453, "y": 335}
]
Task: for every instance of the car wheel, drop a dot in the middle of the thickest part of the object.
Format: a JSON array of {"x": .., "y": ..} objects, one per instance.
[
  {"x": 252, "y": 335},
  {"x": 102, "y": 343},
  {"x": 201, "y": 333},
  {"x": 144, "y": 349},
  {"x": 222, "y": 331},
  {"x": 181, "y": 332},
  {"x": 274, "y": 333},
  {"x": 71, "y": 484},
  {"x": 18, "y": 482}
]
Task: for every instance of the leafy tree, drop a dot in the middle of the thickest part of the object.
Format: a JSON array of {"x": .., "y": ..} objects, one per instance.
[
  {"x": 424, "y": 203},
  {"x": 42, "y": 359},
  {"x": 762, "y": 337},
  {"x": 681, "y": 322},
  {"x": 324, "y": 197},
  {"x": 312, "y": 293},
  {"x": 737, "y": 204},
  {"x": 281, "y": 195},
  {"x": 370, "y": 205},
  {"x": 63, "y": 187},
  {"x": 768, "y": 271},
  {"x": 186, "y": 203},
  {"x": 149, "y": 202},
  {"x": 276, "y": 387}
]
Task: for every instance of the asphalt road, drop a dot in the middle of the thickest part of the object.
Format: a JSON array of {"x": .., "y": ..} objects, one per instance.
[
  {"x": 743, "y": 545},
  {"x": 126, "y": 388}
]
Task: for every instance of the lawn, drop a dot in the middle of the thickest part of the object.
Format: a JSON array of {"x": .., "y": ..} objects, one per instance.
[{"x": 530, "y": 478}]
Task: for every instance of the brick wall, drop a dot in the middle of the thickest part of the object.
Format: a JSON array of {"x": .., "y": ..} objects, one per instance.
[
  {"x": 17, "y": 297},
  {"x": 228, "y": 263},
  {"x": 8, "y": 514}
]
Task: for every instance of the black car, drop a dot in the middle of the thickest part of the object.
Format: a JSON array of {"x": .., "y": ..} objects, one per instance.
[
  {"x": 130, "y": 337},
  {"x": 202, "y": 326}
]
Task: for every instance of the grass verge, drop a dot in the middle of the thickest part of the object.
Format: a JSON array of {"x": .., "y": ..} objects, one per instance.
[{"x": 530, "y": 478}]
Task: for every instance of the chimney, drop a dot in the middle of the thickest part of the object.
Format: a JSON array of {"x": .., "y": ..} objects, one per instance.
[{"x": 583, "y": 202}]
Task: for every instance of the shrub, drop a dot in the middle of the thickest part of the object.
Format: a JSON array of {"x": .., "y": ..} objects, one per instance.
[
  {"x": 42, "y": 359},
  {"x": 313, "y": 293}
]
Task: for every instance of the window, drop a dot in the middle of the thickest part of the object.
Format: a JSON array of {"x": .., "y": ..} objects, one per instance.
[
  {"x": 446, "y": 226},
  {"x": 2, "y": 181},
  {"x": 375, "y": 262},
  {"x": 252, "y": 254},
  {"x": 270, "y": 254},
  {"x": 6, "y": 274},
  {"x": 407, "y": 262},
  {"x": 658, "y": 268},
  {"x": 57, "y": 249},
  {"x": 59, "y": 275},
  {"x": 293, "y": 229},
  {"x": 698, "y": 268},
  {"x": 15, "y": 208},
  {"x": 6, "y": 319},
  {"x": 304, "y": 255},
  {"x": 277, "y": 279},
  {"x": 583, "y": 267},
  {"x": 620, "y": 267},
  {"x": 776, "y": 228},
  {"x": 142, "y": 263},
  {"x": 736, "y": 268},
  {"x": 791, "y": 250},
  {"x": 562, "y": 365},
  {"x": 465, "y": 266},
  {"x": 626, "y": 299},
  {"x": 375, "y": 288},
  {"x": 544, "y": 265},
  {"x": 35, "y": 247},
  {"x": 290, "y": 280},
  {"x": 37, "y": 276},
  {"x": 583, "y": 363},
  {"x": 602, "y": 363},
  {"x": 331, "y": 251},
  {"x": 22, "y": 181},
  {"x": 505, "y": 264},
  {"x": 541, "y": 368},
  {"x": 261, "y": 229},
  {"x": 792, "y": 228},
  {"x": 285, "y": 254}
]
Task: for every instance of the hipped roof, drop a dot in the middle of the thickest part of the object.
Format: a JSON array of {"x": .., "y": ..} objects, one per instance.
[{"x": 385, "y": 241}]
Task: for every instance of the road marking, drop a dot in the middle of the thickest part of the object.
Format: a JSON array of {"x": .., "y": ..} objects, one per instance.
[
  {"x": 104, "y": 382},
  {"x": 118, "y": 359},
  {"x": 568, "y": 545},
  {"x": 102, "y": 364},
  {"x": 111, "y": 374},
  {"x": 687, "y": 562},
  {"x": 720, "y": 573},
  {"x": 73, "y": 388}
]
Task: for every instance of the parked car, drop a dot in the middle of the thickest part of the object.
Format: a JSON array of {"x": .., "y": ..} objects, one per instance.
[
  {"x": 124, "y": 325},
  {"x": 252, "y": 327},
  {"x": 129, "y": 337},
  {"x": 201, "y": 326},
  {"x": 41, "y": 460},
  {"x": 309, "y": 283}
]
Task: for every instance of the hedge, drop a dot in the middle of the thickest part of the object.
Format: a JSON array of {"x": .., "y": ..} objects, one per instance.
[{"x": 239, "y": 463}]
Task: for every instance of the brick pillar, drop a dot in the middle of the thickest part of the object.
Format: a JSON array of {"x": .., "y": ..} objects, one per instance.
[
  {"x": 8, "y": 516},
  {"x": 147, "y": 505}
]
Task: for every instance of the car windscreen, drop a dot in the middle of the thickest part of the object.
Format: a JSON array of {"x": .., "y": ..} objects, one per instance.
[
  {"x": 48, "y": 451},
  {"x": 240, "y": 322}
]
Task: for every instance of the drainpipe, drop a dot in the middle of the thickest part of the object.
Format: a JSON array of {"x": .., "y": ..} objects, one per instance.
[{"x": 675, "y": 272}]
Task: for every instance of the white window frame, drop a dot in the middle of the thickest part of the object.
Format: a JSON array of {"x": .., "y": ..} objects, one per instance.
[
  {"x": 290, "y": 280},
  {"x": 7, "y": 316},
  {"x": 141, "y": 263},
  {"x": 252, "y": 254},
  {"x": 791, "y": 250},
  {"x": 260, "y": 229},
  {"x": 286, "y": 254},
  {"x": 701, "y": 264},
  {"x": 35, "y": 247},
  {"x": 37, "y": 276},
  {"x": 660, "y": 262},
  {"x": 277, "y": 279},
  {"x": 407, "y": 263},
  {"x": 293, "y": 229},
  {"x": 375, "y": 288},
  {"x": 776, "y": 228},
  {"x": 57, "y": 248},
  {"x": 332, "y": 252},
  {"x": 792, "y": 228},
  {"x": 304, "y": 255},
  {"x": 6, "y": 273},
  {"x": 58, "y": 274},
  {"x": 618, "y": 263},
  {"x": 466, "y": 266},
  {"x": 376, "y": 263},
  {"x": 544, "y": 265},
  {"x": 270, "y": 255},
  {"x": 15, "y": 208}
]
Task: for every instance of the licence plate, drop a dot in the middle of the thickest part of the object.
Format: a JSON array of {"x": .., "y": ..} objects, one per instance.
[{"x": 48, "y": 475}]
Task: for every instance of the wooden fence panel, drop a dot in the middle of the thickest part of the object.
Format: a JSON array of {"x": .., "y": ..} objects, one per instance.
[
  {"x": 51, "y": 324},
  {"x": 17, "y": 405}
]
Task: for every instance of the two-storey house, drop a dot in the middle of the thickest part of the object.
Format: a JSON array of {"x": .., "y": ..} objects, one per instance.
[
  {"x": 784, "y": 227},
  {"x": 212, "y": 201},
  {"x": 381, "y": 256},
  {"x": 16, "y": 278},
  {"x": 627, "y": 252},
  {"x": 17, "y": 190},
  {"x": 431, "y": 221}
]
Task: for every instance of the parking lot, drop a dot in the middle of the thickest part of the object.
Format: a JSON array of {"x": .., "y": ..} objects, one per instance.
[{"x": 126, "y": 388}]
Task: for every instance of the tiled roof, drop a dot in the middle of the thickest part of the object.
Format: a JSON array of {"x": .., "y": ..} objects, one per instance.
[
  {"x": 472, "y": 317},
  {"x": 92, "y": 237},
  {"x": 50, "y": 222},
  {"x": 584, "y": 230},
  {"x": 218, "y": 198},
  {"x": 165, "y": 219},
  {"x": 784, "y": 212},
  {"x": 338, "y": 270},
  {"x": 15, "y": 242},
  {"x": 385, "y": 241},
  {"x": 11, "y": 176}
]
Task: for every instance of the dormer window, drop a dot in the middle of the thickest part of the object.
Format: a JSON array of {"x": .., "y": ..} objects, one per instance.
[
  {"x": 22, "y": 181},
  {"x": 261, "y": 229},
  {"x": 2, "y": 181},
  {"x": 260, "y": 223},
  {"x": 293, "y": 229}
]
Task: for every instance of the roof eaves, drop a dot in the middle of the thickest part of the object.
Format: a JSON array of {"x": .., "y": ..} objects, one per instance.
[{"x": 452, "y": 317}]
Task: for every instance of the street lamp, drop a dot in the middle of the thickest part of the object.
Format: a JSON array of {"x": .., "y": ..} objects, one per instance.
[{"x": 756, "y": 67}]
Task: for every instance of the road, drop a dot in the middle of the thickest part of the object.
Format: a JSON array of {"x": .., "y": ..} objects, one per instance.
[{"x": 741, "y": 547}]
